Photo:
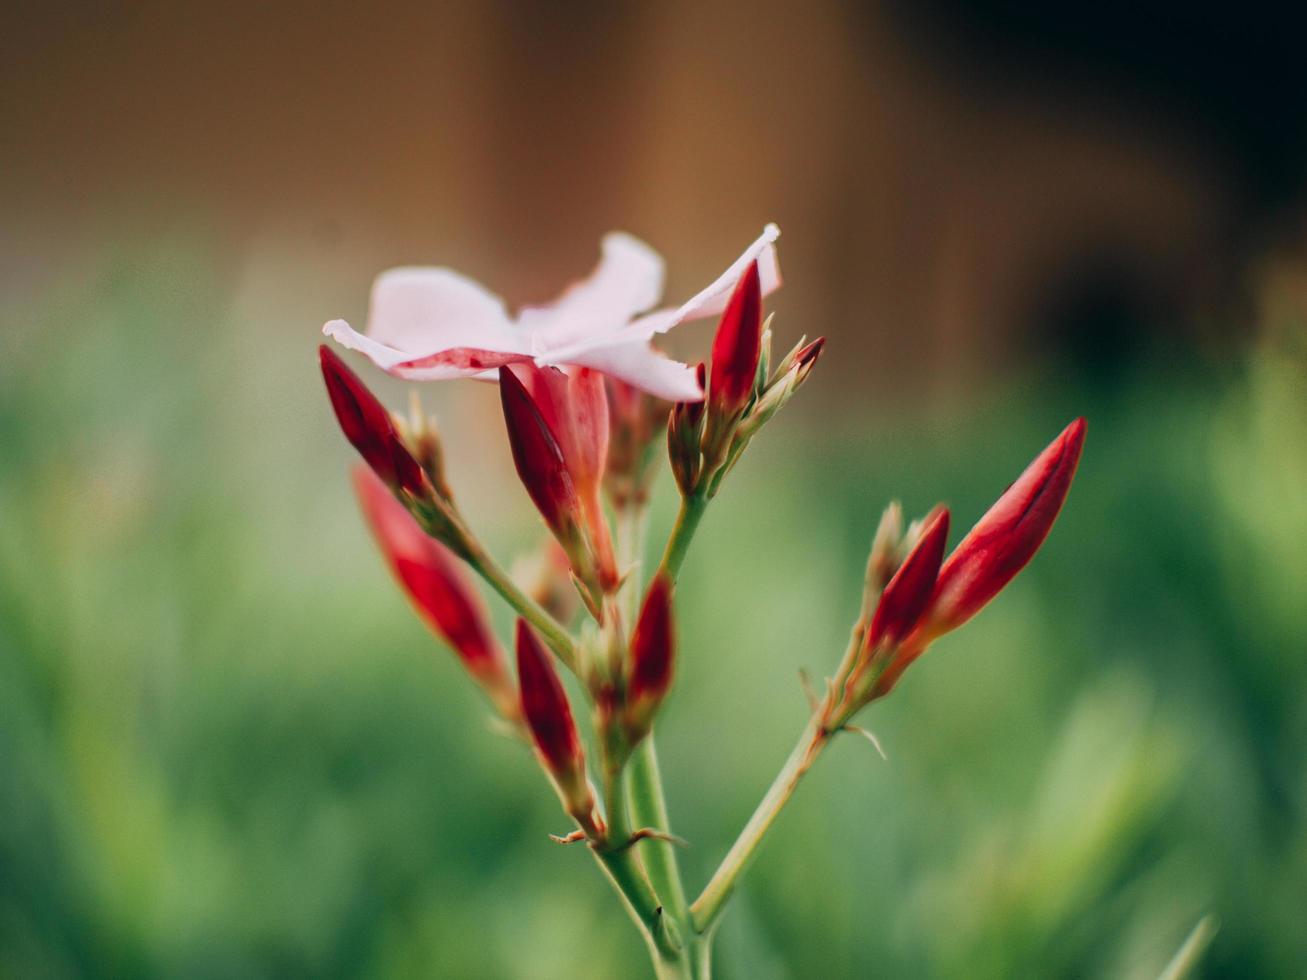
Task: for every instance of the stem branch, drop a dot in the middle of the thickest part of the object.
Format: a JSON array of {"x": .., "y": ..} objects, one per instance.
[
  {"x": 687, "y": 522},
  {"x": 708, "y": 906},
  {"x": 550, "y": 630}
]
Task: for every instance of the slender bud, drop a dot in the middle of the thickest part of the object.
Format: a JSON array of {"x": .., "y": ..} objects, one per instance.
[
  {"x": 369, "y": 428},
  {"x": 684, "y": 438},
  {"x": 545, "y": 474},
  {"x": 549, "y": 717},
  {"x": 537, "y": 456},
  {"x": 806, "y": 360},
  {"x": 1007, "y": 537},
  {"x": 884, "y": 559},
  {"x": 736, "y": 348},
  {"x": 908, "y": 593},
  {"x": 422, "y": 436},
  {"x": 558, "y": 430},
  {"x": 437, "y": 587},
  {"x": 653, "y": 646}
]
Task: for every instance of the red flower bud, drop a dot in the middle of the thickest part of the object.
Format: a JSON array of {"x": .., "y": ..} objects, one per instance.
[
  {"x": 653, "y": 646},
  {"x": 806, "y": 359},
  {"x": 999, "y": 546},
  {"x": 544, "y": 702},
  {"x": 369, "y": 428},
  {"x": 538, "y": 459},
  {"x": 558, "y": 431},
  {"x": 435, "y": 584},
  {"x": 1007, "y": 537},
  {"x": 736, "y": 347},
  {"x": 908, "y": 593},
  {"x": 549, "y": 717},
  {"x": 574, "y": 406}
]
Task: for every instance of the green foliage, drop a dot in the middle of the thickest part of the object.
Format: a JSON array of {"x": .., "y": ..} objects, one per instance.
[{"x": 228, "y": 749}]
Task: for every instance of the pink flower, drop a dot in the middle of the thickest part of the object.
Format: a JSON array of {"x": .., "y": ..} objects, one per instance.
[{"x": 429, "y": 324}]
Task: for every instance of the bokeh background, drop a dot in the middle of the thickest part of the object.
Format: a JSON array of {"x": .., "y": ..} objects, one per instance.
[{"x": 227, "y": 749}]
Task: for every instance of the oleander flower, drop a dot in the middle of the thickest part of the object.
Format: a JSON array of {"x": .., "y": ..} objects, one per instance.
[{"x": 430, "y": 324}]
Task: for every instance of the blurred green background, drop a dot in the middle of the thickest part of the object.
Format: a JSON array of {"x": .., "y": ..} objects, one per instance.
[{"x": 227, "y": 747}]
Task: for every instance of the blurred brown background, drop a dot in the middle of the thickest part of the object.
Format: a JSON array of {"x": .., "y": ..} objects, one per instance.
[{"x": 943, "y": 172}]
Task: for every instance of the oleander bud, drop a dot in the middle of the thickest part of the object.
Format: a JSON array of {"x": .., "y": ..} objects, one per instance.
[
  {"x": 557, "y": 743},
  {"x": 370, "y": 429},
  {"x": 438, "y": 589},
  {"x": 653, "y": 650}
]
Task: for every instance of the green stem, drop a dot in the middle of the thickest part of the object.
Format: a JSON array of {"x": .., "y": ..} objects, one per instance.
[
  {"x": 649, "y": 808},
  {"x": 622, "y": 868},
  {"x": 708, "y": 906},
  {"x": 550, "y": 630},
  {"x": 648, "y": 802},
  {"x": 687, "y": 522}
]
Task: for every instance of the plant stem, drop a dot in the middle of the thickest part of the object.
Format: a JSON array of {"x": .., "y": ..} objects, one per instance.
[
  {"x": 644, "y": 779},
  {"x": 687, "y": 522},
  {"x": 649, "y": 808},
  {"x": 623, "y": 869},
  {"x": 550, "y": 630},
  {"x": 708, "y": 906}
]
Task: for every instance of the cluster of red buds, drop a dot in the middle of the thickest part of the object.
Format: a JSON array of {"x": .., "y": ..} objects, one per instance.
[
  {"x": 584, "y": 443},
  {"x": 913, "y": 595},
  {"x": 706, "y": 438}
]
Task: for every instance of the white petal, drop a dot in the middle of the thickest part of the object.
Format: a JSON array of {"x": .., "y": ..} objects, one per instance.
[
  {"x": 423, "y": 310},
  {"x": 400, "y": 363},
  {"x": 712, "y": 300},
  {"x": 628, "y": 280},
  {"x": 640, "y": 365},
  {"x": 382, "y": 356},
  {"x": 708, "y": 302}
]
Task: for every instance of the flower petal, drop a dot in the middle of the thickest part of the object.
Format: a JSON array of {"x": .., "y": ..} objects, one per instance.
[
  {"x": 640, "y": 366},
  {"x": 712, "y": 300},
  {"x": 628, "y": 280},
  {"x": 425, "y": 310}
]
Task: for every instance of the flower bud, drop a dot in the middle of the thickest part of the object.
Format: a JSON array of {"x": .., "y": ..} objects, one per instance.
[
  {"x": 549, "y": 718},
  {"x": 1007, "y": 537},
  {"x": 558, "y": 428},
  {"x": 684, "y": 437},
  {"x": 884, "y": 559},
  {"x": 653, "y": 647},
  {"x": 736, "y": 348},
  {"x": 437, "y": 587},
  {"x": 422, "y": 436},
  {"x": 908, "y": 593},
  {"x": 996, "y": 549},
  {"x": 370, "y": 429},
  {"x": 807, "y": 360}
]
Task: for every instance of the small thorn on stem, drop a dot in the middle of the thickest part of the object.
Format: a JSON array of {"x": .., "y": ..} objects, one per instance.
[
  {"x": 649, "y": 833},
  {"x": 575, "y": 837},
  {"x": 856, "y": 730},
  {"x": 806, "y": 683}
]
